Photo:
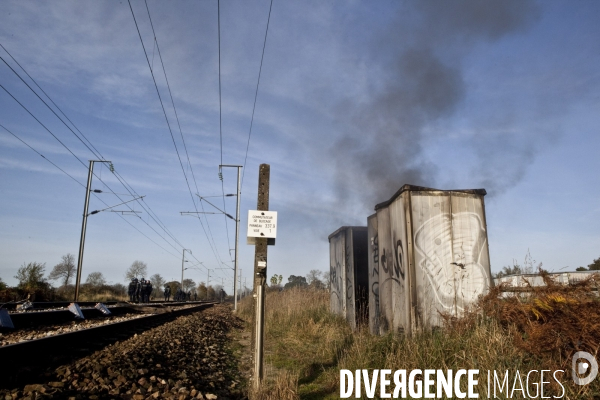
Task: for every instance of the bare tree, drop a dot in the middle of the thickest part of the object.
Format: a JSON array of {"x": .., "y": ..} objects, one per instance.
[
  {"x": 138, "y": 269},
  {"x": 94, "y": 282},
  {"x": 188, "y": 284},
  {"x": 95, "y": 279},
  {"x": 64, "y": 270},
  {"x": 158, "y": 282},
  {"x": 313, "y": 276},
  {"x": 327, "y": 279}
]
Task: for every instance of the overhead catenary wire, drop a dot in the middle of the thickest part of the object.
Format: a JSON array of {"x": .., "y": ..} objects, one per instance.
[
  {"x": 70, "y": 151},
  {"x": 46, "y": 94},
  {"x": 82, "y": 185},
  {"x": 156, "y": 45},
  {"x": 256, "y": 92},
  {"x": 73, "y": 154},
  {"x": 215, "y": 253},
  {"x": 67, "y": 148},
  {"x": 94, "y": 151},
  {"x": 44, "y": 157},
  {"x": 221, "y": 120}
]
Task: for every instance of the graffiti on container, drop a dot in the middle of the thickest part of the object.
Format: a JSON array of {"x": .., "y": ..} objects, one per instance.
[
  {"x": 375, "y": 271},
  {"x": 445, "y": 239},
  {"x": 392, "y": 263},
  {"x": 349, "y": 273},
  {"x": 335, "y": 282}
]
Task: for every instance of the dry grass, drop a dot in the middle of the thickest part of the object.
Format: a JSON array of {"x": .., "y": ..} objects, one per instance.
[
  {"x": 102, "y": 296},
  {"x": 306, "y": 346},
  {"x": 553, "y": 321},
  {"x": 281, "y": 386},
  {"x": 302, "y": 343}
]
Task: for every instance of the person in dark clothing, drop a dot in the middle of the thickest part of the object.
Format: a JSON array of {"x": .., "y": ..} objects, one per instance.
[
  {"x": 138, "y": 291},
  {"x": 144, "y": 291},
  {"x": 167, "y": 292},
  {"x": 131, "y": 289},
  {"x": 148, "y": 291}
]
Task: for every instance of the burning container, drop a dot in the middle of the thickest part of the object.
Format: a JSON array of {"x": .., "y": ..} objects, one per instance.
[
  {"x": 428, "y": 254},
  {"x": 348, "y": 272}
]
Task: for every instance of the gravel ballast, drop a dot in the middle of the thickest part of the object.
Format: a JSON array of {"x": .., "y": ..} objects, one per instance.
[{"x": 184, "y": 359}]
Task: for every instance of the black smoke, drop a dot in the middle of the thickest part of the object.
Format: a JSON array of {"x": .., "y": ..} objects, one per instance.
[{"x": 417, "y": 73}]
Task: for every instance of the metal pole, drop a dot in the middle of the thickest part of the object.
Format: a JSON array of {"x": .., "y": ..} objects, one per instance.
[
  {"x": 237, "y": 234},
  {"x": 83, "y": 228},
  {"x": 207, "y": 280},
  {"x": 260, "y": 275},
  {"x": 182, "y": 263}
]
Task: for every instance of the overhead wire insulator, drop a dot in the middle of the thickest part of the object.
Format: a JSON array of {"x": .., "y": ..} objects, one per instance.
[{"x": 111, "y": 167}]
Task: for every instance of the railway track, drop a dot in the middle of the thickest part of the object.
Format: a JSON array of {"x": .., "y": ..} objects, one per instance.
[
  {"x": 26, "y": 361},
  {"x": 50, "y": 305},
  {"x": 54, "y": 313}
]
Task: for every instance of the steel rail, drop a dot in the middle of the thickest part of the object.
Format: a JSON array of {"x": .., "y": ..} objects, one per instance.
[{"x": 22, "y": 362}]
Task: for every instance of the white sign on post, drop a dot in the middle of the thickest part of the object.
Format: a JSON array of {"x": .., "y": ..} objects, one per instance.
[{"x": 261, "y": 224}]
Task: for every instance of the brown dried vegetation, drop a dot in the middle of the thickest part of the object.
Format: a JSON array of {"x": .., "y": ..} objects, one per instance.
[{"x": 550, "y": 322}]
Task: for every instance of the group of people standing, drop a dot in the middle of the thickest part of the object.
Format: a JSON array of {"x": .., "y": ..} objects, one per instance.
[
  {"x": 139, "y": 290},
  {"x": 180, "y": 295}
]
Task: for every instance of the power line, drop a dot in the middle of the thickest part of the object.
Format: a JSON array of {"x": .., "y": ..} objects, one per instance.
[
  {"x": 70, "y": 151},
  {"x": 221, "y": 122},
  {"x": 46, "y": 94},
  {"x": 152, "y": 214},
  {"x": 82, "y": 185},
  {"x": 80, "y": 161},
  {"x": 169, "y": 127},
  {"x": 256, "y": 93},
  {"x": 220, "y": 108},
  {"x": 44, "y": 126},
  {"x": 44, "y": 157},
  {"x": 156, "y": 45},
  {"x": 96, "y": 152},
  {"x": 46, "y": 104}
]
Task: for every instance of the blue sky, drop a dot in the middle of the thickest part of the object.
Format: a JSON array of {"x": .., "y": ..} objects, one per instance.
[{"x": 355, "y": 100}]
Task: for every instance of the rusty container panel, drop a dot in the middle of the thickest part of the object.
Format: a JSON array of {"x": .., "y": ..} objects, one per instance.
[
  {"x": 350, "y": 280},
  {"x": 450, "y": 253},
  {"x": 433, "y": 256},
  {"x": 399, "y": 271},
  {"x": 470, "y": 247},
  {"x": 337, "y": 272},
  {"x": 373, "y": 263},
  {"x": 349, "y": 274},
  {"x": 386, "y": 283}
]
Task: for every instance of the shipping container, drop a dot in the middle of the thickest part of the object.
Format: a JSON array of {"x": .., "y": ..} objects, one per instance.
[
  {"x": 349, "y": 274},
  {"x": 433, "y": 259},
  {"x": 373, "y": 264}
]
